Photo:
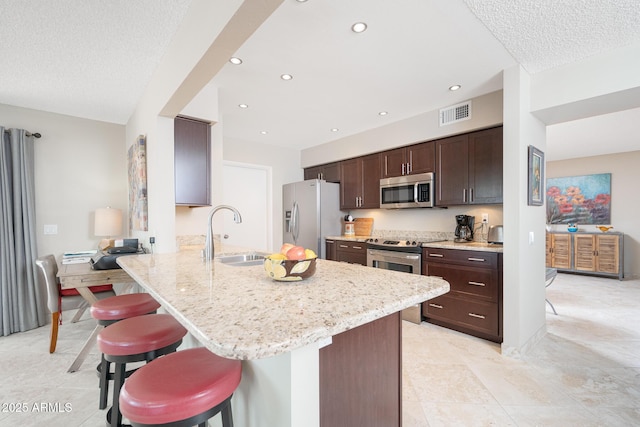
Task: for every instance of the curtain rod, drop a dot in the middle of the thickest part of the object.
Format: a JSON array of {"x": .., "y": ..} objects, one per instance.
[{"x": 35, "y": 134}]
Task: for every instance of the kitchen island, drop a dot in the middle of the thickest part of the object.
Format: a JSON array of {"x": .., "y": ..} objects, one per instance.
[{"x": 285, "y": 330}]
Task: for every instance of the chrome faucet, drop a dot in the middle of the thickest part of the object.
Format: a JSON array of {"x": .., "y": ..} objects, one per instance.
[{"x": 208, "y": 245}]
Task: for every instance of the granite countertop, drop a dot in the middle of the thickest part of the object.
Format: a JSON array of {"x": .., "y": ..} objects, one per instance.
[
  {"x": 240, "y": 313},
  {"x": 446, "y": 244},
  {"x": 470, "y": 246}
]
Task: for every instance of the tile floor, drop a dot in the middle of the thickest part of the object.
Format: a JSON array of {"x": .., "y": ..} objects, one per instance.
[{"x": 584, "y": 372}]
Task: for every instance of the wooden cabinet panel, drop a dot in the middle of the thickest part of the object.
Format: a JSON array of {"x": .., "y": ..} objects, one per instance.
[
  {"x": 330, "y": 172},
  {"x": 469, "y": 168},
  {"x": 608, "y": 254},
  {"x": 452, "y": 172},
  {"x": 583, "y": 252},
  {"x": 477, "y": 316},
  {"x": 470, "y": 281},
  {"x": 192, "y": 159},
  {"x": 361, "y": 376},
  {"x": 485, "y": 166},
  {"x": 584, "y": 259},
  {"x": 410, "y": 160},
  {"x": 559, "y": 251},
  {"x": 393, "y": 163},
  {"x": 422, "y": 157},
  {"x": 351, "y": 252},
  {"x": 474, "y": 302},
  {"x": 330, "y": 246},
  {"x": 360, "y": 183}
]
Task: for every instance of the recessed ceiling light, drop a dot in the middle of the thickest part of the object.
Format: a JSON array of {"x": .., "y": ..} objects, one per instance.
[
  {"x": 358, "y": 27},
  {"x": 235, "y": 61},
  {"x": 382, "y": 113},
  {"x": 286, "y": 77},
  {"x": 301, "y": 1},
  {"x": 243, "y": 106},
  {"x": 454, "y": 88},
  {"x": 264, "y": 132},
  {"x": 335, "y": 130}
]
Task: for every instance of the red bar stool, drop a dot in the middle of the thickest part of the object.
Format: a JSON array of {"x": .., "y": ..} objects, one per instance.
[
  {"x": 113, "y": 309},
  {"x": 180, "y": 390},
  {"x": 136, "y": 339}
]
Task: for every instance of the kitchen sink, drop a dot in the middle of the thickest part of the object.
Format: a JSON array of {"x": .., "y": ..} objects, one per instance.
[{"x": 242, "y": 260}]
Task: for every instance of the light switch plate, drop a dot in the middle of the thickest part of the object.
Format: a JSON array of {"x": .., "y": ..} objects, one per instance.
[
  {"x": 51, "y": 229},
  {"x": 531, "y": 237}
]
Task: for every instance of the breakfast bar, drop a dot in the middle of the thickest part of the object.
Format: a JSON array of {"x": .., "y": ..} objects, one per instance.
[{"x": 283, "y": 331}]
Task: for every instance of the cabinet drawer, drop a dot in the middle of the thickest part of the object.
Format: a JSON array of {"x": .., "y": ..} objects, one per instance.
[
  {"x": 479, "y": 282},
  {"x": 462, "y": 257},
  {"x": 351, "y": 252},
  {"x": 351, "y": 246},
  {"x": 477, "y": 315}
]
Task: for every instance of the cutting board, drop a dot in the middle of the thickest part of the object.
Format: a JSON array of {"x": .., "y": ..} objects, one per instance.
[{"x": 363, "y": 226}]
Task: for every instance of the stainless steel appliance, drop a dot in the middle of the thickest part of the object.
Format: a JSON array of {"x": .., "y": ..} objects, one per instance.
[
  {"x": 496, "y": 234},
  {"x": 398, "y": 255},
  {"x": 409, "y": 191},
  {"x": 311, "y": 211},
  {"x": 464, "y": 228}
]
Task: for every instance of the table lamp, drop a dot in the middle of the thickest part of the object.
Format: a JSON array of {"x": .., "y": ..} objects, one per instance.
[{"x": 108, "y": 223}]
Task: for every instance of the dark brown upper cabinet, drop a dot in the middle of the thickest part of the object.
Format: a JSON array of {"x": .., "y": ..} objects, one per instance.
[
  {"x": 469, "y": 168},
  {"x": 414, "y": 159},
  {"x": 330, "y": 172},
  {"x": 360, "y": 183},
  {"x": 192, "y": 162}
]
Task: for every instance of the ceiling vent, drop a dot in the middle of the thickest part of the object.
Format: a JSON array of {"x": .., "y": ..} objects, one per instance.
[{"x": 455, "y": 113}]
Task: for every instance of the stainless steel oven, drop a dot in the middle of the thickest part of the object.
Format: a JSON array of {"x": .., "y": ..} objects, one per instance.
[{"x": 398, "y": 255}]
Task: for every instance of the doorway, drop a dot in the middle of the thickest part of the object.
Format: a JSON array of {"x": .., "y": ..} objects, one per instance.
[{"x": 247, "y": 187}]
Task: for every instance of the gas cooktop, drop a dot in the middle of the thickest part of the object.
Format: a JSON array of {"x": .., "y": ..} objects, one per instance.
[{"x": 399, "y": 244}]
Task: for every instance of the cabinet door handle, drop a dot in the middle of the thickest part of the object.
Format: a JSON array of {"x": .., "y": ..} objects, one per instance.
[
  {"x": 464, "y": 195},
  {"x": 477, "y": 283},
  {"x": 477, "y": 316},
  {"x": 436, "y": 255},
  {"x": 435, "y": 305},
  {"x": 471, "y": 195},
  {"x": 357, "y": 247},
  {"x": 343, "y": 246},
  {"x": 476, "y": 259},
  {"x": 403, "y": 169}
]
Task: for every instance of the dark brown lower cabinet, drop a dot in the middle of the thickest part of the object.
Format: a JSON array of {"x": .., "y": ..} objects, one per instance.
[
  {"x": 474, "y": 303},
  {"x": 361, "y": 376},
  {"x": 351, "y": 252}
]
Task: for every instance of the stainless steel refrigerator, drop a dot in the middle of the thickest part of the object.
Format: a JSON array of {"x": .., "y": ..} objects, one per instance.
[{"x": 311, "y": 211}]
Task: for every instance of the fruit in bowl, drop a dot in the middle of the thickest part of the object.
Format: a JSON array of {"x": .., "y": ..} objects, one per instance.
[{"x": 292, "y": 263}]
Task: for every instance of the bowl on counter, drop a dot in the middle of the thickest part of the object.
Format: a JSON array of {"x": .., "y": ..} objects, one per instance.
[{"x": 289, "y": 270}]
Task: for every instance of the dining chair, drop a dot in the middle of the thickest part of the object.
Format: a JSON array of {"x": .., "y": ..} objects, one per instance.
[{"x": 59, "y": 299}]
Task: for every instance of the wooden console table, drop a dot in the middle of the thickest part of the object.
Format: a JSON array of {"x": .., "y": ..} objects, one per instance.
[
  {"x": 80, "y": 277},
  {"x": 593, "y": 253}
]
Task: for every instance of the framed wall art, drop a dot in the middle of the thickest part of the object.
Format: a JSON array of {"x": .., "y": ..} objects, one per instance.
[
  {"x": 584, "y": 199},
  {"x": 535, "y": 190}
]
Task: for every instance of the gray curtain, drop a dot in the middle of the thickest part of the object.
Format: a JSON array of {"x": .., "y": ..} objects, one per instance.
[{"x": 22, "y": 302}]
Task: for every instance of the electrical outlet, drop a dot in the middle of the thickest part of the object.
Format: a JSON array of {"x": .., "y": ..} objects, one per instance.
[
  {"x": 485, "y": 218},
  {"x": 152, "y": 240}
]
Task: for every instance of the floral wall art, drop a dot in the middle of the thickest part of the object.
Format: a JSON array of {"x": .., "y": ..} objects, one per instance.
[{"x": 582, "y": 199}]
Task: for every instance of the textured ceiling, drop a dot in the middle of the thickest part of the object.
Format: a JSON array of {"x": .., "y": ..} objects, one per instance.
[
  {"x": 93, "y": 59},
  {"x": 544, "y": 34},
  {"x": 83, "y": 58}
]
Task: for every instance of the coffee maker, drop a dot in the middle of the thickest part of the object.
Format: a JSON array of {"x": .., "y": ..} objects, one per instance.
[{"x": 464, "y": 228}]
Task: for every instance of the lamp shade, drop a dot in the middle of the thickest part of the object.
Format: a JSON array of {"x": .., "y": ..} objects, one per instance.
[{"x": 108, "y": 222}]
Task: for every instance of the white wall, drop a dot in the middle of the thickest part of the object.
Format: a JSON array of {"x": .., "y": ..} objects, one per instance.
[
  {"x": 524, "y": 245},
  {"x": 285, "y": 168},
  {"x": 625, "y": 175},
  {"x": 80, "y": 165},
  {"x": 486, "y": 112}
]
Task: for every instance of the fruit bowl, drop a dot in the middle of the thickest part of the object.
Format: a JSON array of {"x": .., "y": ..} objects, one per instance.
[{"x": 289, "y": 270}]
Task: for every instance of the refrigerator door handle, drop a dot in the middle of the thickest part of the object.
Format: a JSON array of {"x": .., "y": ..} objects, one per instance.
[{"x": 294, "y": 223}]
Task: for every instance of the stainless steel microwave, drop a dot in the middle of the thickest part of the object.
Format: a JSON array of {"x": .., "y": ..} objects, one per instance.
[{"x": 409, "y": 191}]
